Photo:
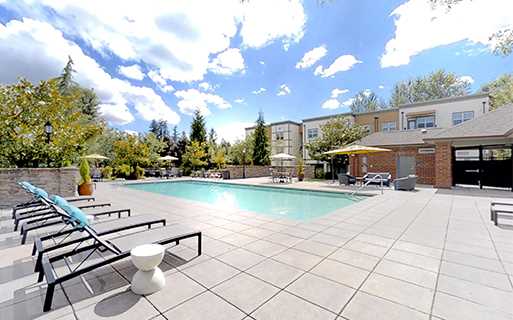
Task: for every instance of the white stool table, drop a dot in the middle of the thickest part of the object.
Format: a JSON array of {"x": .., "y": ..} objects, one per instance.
[{"x": 149, "y": 278}]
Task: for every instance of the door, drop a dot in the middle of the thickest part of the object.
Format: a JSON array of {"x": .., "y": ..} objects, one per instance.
[
  {"x": 405, "y": 166},
  {"x": 466, "y": 167}
]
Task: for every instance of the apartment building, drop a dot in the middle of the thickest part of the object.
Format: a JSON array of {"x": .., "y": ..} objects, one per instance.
[{"x": 381, "y": 120}]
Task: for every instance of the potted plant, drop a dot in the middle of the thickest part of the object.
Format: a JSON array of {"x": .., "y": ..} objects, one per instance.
[
  {"x": 85, "y": 188},
  {"x": 300, "y": 169}
]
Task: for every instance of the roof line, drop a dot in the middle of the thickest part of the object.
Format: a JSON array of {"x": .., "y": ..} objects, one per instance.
[{"x": 445, "y": 100}]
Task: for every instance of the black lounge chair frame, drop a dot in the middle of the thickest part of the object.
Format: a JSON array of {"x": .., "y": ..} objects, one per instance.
[{"x": 101, "y": 245}]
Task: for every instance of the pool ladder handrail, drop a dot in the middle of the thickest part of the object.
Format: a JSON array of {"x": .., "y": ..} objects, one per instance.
[{"x": 367, "y": 183}]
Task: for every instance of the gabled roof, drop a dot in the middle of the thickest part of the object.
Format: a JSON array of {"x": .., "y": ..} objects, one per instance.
[
  {"x": 497, "y": 123},
  {"x": 398, "y": 138}
]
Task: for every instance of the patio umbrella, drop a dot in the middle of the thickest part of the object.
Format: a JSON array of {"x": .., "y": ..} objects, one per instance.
[
  {"x": 282, "y": 156},
  {"x": 95, "y": 156},
  {"x": 168, "y": 158},
  {"x": 352, "y": 149}
]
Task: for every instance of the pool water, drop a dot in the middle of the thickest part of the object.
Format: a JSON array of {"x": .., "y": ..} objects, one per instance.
[{"x": 281, "y": 202}]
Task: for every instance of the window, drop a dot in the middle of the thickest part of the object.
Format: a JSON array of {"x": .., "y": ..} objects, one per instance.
[
  {"x": 421, "y": 122},
  {"x": 388, "y": 126},
  {"x": 460, "y": 117},
  {"x": 367, "y": 128},
  {"x": 280, "y": 135},
  {"x": 312, "y": 133}
]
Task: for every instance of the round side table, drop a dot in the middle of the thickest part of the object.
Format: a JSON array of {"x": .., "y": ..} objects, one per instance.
[{"x": 149, "y": 278}]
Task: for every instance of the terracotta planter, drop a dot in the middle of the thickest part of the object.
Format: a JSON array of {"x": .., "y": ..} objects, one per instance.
[
  {"x": 85, "y": 189},
  {"x": 300, "y": 177}
]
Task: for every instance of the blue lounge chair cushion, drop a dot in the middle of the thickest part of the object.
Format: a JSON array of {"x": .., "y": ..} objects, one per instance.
[
  {"x": 28, "y": 186},
  {"x": 77, "y": 215},
  {"x": 40, "y": 193},
  {"x": 59, "y": 201}
]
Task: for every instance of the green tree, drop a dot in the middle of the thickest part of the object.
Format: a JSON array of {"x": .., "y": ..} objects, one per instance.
[
  {"x": 436, "y": 85},
  {"x": 104, "y": 144},
  {"x": 132, "y": 153},
  {"x": 500, "y": 90},
  {"x": 181, "y": 146},
  {"x": 366, "y": 101},
  {"x": 160, "y": 129},
  {"x": 155, "y": 146},
  {"x": 335, "y": 133},
  {"x": 219, "y": 158},
  {"x": 25, "y": 108},
  {"x": 241, "y": 152},
  {"x": 198, "y": 128},
  {"x": 65, "y": 80},
  {"x": 195, "y": 155},
  {"x": 261, "y": 148}
]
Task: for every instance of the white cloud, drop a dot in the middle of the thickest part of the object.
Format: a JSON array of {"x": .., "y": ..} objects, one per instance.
[
  {"x": 177, "y": 38},
  {"x": 342, "y": 63},
  {"x": 233, "y": 131},
  {"x": 205, "y": 86},
  {"x": 284, "y": 90},
  {"x": 259, "y": 91},
  {"x": 367, "y": 92},
  {"x": 228, "y": 62},
  {"x": 133, "y": 72},
  {"x": 311, "y": 57},
  {"x": 191, "y": 100},
  {"x": 418, "y": 27},
  {"x": 337, "y": 92},
  {"x": 131, "y": 132},
  {"x": 381, "y": 87},
  {"x": 47, "y": 50},
  {"x": 348, "y": 102},
  {"x": 264, "y": 21},
  {"x": 468, "y": 79},
  {"x": 160, "y": 81},
  {"x": 261, "y": 62},
  {"x": 331, "y": 104},
  {"x": 239, "y": 100}
]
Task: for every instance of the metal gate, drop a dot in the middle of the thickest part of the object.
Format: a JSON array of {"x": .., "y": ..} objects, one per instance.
[{"x": 489, "y": 166}]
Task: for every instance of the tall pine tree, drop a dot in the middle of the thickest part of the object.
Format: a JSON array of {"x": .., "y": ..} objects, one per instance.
[
  {"x": 261, "y": 150},
  {"x": 198, "y": 128}
]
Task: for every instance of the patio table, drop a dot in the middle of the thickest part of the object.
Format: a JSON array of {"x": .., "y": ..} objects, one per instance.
[{"x": 149, "y": 278}]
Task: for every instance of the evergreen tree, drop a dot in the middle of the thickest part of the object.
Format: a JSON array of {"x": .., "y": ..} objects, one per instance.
[
  {"x": 65, "y": 80},
  {"x": 181, "y": 146},
  {"x": 366, "y": 101},
  {"x": 174, "y": 136},
  {"x": 500, "y": 90},
  {"x": 198, "y": 128},
  {"x": 261, "y": 150},
  {"x": 212, "y": 137}
]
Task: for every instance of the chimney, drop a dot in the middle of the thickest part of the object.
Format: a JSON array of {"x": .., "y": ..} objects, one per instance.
[{"x": 484, "y": 106}]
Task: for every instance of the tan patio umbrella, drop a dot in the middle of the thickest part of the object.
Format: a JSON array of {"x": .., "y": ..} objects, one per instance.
[
  {"x": 283, "y": 156},
  {"x": 168, "y": 158},
  {"x": 95, "y": 156},
  {"x": 352, "y": 149}
]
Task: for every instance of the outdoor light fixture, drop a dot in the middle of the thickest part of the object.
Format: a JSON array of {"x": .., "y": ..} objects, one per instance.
[
  {"x": 48, "y": 131},
  {"x": 244, "y": 163}
]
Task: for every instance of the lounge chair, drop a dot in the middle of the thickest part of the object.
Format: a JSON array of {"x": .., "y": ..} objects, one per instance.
[
  {"x": 119, "y": 247},
  {"x": 55, "y": 217},
  {"x": 500, "y": 208},
  {"x": 406, "y": 183},
  {"x": 346, "y": 179},
  {"x": 377, "y": 178}
]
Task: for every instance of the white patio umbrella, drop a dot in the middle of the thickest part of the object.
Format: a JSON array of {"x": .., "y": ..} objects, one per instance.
[
  {"x": 95, "y": 156},
  {"x": 168, "y": 158},
  {"x": 283, "y": 156}
]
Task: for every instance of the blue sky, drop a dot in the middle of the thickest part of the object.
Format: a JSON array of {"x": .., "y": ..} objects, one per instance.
[{"x": 166, "y": 60}]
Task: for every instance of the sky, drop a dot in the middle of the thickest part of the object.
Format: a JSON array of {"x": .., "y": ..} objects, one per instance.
[{"x": 290, "y": 59}]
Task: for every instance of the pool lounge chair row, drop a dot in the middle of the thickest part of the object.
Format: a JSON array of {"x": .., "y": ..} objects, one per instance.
[
  {"x": 500, "y": 209},
  {"x": 79, "y": 235}
]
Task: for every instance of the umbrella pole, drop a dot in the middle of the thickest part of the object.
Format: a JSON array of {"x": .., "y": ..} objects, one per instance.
[{"x": 332, "y": 172}]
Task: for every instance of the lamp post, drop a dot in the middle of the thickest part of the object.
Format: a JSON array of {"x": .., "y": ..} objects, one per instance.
[
  {"x": 48, "y": 131},
  {"x": 244, "y": 163}
]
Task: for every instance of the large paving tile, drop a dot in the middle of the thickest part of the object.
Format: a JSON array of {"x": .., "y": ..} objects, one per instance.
[
  {"x": 473, "y": 261},
  {"x": 215, "y": 247},
  {"x": 277, "y": 273},
  {"x": 407, "y": 273},
  {"x": 489, "y": 297},
  {"x": 367, "y": 248},
  {"x": 416, "y": 260},
  {"x": 288, "y": 306},
  {"x": 297, "y": 259},
  {"x": 246, "y": 291},
  {"x": 399, "y": 291},
  {"x": 211, "y": 272},
  {"x": 178, "y": 288},
  {"x": 326, "y": 293},
  {"x": 241, "y": 259},
  {"x": 205, "y": 306},
  {"x": 367, "y": 307},
  {"x": 484, "y": 277},
  {"x": 330, "y": 239},
  {"x": 32, "y": 308},
  {"x": 341, "y": 273},
  {"x": 355, "y": 258},
  {"x": 283, "y": 239},
  {"x": 238, "y": 239},
  {"x": 265, "y": 248},
  {"x": 314, "y": 247},
  {"x": 451, "y": 307},
  {"x": 418, "y": 249}
]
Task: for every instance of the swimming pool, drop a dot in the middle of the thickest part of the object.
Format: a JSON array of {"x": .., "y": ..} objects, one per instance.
[{"x": 282, "y": 202}]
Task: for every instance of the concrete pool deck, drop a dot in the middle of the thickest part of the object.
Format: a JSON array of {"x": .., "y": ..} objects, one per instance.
[{"x": 427, "y": 254}]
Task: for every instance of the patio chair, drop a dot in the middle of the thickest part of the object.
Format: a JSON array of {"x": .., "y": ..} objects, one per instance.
[
  {"x": 71, "y": 232},
  {"x": 55, "y": 217},
  {"x": 119, "y": 248},
  {"x": 377, "y": 177},
  {"x": 500, "y": 208},
  {"x": 346, "y": 179},
  {"x": 406, "y": 183}
]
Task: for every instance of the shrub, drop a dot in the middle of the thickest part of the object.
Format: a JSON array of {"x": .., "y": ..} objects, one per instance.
[
  {"x": 107, "y": 172},
  {"x": 139, "y": 172},
  {"x": 123, "y": 171},
  {"x": 84, "y": 171}
]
